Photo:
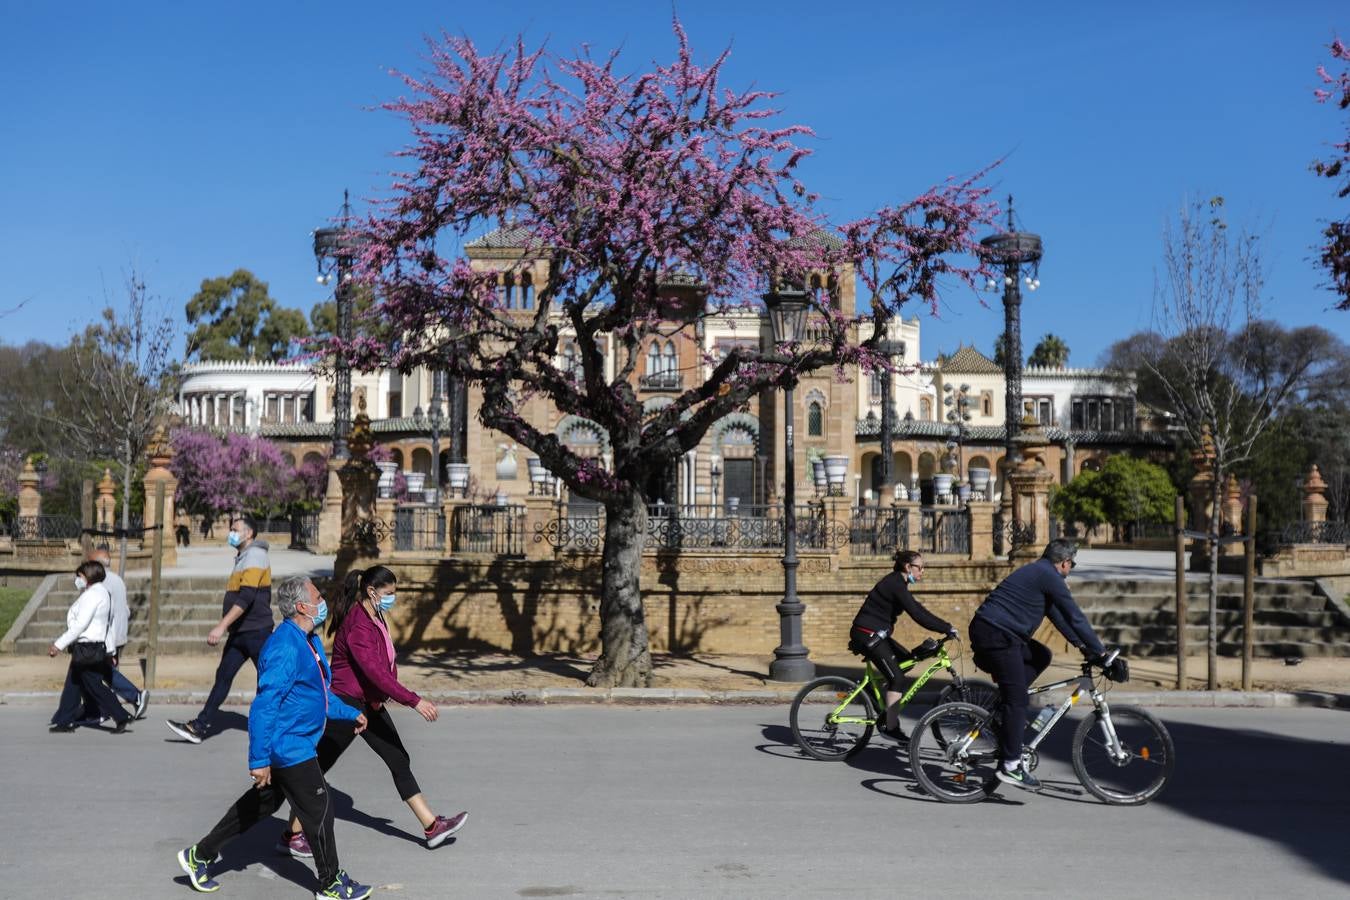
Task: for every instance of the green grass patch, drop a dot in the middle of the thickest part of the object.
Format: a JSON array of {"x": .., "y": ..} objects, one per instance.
[{"x": 12, "y": 601}]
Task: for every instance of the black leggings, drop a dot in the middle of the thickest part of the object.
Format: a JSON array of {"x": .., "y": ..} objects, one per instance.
[
  {"x": 303, "y": 785},
  {"x": 88, "y": 683},
  {"x": 380, "y": 735},
  {"x": 885, "y": 654},
  {"x": 1014, "y": 664}
]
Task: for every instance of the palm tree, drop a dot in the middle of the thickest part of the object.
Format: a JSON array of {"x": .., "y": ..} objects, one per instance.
[{"x": 1051, "y": 353}]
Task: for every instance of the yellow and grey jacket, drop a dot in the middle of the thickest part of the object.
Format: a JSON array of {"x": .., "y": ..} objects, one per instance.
[{"x": 250, "y": 588}]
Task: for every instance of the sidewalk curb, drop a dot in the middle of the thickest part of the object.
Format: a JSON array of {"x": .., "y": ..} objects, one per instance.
[{"x": 695, "y": 696}]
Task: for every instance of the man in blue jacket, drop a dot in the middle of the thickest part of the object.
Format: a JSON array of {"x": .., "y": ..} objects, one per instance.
[
  {"x": 288, "y": 715},
  {"x": 1002, "y": 644}
]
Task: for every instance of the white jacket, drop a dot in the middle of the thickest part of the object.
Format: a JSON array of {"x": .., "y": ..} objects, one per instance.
[
  {"x": 88, "y": 619},
  {"x": 117, "y": 589}
]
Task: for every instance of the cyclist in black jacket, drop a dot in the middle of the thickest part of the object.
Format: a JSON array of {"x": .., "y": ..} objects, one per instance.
[
  {"x": 875, "y": 623},
  {"x": 1001, "y": 641}
]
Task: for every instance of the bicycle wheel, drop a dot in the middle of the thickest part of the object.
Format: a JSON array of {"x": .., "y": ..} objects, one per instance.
[
  {"x": 832, "y": 718},
  {"x": 953, "y": 752},
  {"x": 972, "y": 690},
  {"x": 1140, "y": 773}
]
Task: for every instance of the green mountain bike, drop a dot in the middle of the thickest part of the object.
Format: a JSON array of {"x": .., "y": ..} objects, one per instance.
[
  {"x": 1121, "y": 754},
  {"x": 833, "y": 717}
]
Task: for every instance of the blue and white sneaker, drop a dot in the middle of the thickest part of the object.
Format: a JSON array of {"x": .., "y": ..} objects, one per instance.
[
  {"x": 344, "y": 888},
  {"x": 196, "y": 870}
]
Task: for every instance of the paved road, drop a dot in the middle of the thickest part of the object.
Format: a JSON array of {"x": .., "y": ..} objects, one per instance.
[{"x": 686, "y": 802}]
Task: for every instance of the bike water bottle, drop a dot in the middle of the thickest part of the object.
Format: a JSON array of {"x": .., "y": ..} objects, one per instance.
[{"x": 1042, "y": 718}]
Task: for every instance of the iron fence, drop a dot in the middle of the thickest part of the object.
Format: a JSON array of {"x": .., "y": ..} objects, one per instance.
[
  {"x": 419, "y": 527},
  {"x": 1316, "y": 533},
  {"x": 944, "y": 531},
  {"x": 878, "y": 530},
  {"x": 44, "y": 528},
  {"x": 498, "y": 530}
]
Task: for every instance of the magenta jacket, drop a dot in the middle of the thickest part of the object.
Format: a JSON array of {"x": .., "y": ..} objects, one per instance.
[{"x": 362, "y": 667}]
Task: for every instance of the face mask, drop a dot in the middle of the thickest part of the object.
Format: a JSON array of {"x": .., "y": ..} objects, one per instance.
[
  {"x": 321, "y": 614},
  {"x": 386, "y": 602},
  {"x": 909, "y": 577},
  {"x": 234, "y": 539},
  {"x": 80, "y": 583}
]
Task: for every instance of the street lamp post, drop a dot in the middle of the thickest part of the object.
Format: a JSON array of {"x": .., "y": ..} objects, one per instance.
[
  {"x": 435, "y": 418},
  {"x": 787, "y": 316},
  {"x": 889, "y": 349},
  {"x": 715, "y": 470},
  {"x": 335, "y": 251},
  {"x": 957, "y": 402},
  {"x": 1018, "y": 254}
]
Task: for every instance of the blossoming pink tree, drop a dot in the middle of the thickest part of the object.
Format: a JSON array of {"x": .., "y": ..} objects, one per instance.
[
  {"x": 1335, "y": 252},
  {"x": 239, "y": 473},
  {"x": 625, "y": 184}
]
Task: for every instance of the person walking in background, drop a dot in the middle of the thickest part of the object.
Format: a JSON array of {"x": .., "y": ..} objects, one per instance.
[
  {"x": 245, "y": 624},
  {"x": 365, "y": 676},
  {"x": 294, "y": 702},
  {"x": 89, "y": 636},
  {"x": 117, "y": 589}
]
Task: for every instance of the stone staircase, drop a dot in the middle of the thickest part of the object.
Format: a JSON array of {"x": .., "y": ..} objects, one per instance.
[
  {"x": 1290, "y": 619},
  {"x": 189, "y": 609}
]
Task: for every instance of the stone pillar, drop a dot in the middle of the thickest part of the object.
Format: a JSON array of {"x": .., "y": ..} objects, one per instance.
[
  {"x": 540, "y": 514},
  {"x": 981, "y": 529},
  {"x": 362, "y": 530},
  {"x": 30, "y": 499},
  {"x": 384, "y": 512},
  {"x": 1202, "y": 499},
  {"x": 452, "y": 505},
  {"x": 1030, "y": 482},
  {"x": 330, "y": 514},
  {"x": 160, "y": 453},
  {"x": 1314, "y": 500},
  {"x": 105, "y": 506},
  {"x": 1232, "y": 516},
  {"x": 913, "y": 525}
]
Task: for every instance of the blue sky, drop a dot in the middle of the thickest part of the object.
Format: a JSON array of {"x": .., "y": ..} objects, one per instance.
[{"x": 190, "y": 139}]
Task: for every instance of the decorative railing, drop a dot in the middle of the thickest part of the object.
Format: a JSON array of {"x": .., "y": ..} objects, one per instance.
[
  {"x": 498, "y": 530},
  {"x": 878, "y": 530},
  {"x": 944, "y": 531},
  {"x": 1009, "y": 535},
  {"x": 419, "y": 527},
  {"x": 661, "y": 381},
  {"x": 1316, "y": 533},
  {"x": 44, "y": 528}
]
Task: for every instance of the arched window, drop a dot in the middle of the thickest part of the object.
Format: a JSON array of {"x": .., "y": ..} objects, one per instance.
[
  {"x": 526, "y": 291},
  {"x": 653, "y": 358},
  {"x": 503, "y": 292},
  {"x": 986, "y": 403},
  {"x": 817, "y": 289},
  {"x": 669, "y": 360},
  {"x": 815, "y": 420},
  {"x": 571, "y": 364},
  {"x": 926, "y": 409}
]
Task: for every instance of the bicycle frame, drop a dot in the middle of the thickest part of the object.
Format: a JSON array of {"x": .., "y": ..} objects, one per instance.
[{"x": 872, "y": 681}]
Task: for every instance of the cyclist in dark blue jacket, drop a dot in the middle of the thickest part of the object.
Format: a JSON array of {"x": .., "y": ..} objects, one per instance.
[{"x": 1002, "y": 643}]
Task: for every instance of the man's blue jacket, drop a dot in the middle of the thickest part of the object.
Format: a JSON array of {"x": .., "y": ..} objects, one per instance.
[{"x": 294, "y": 699}]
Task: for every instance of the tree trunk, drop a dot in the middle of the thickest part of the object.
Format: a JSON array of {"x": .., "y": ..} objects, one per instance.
[
  {"x": 625, "y": 657},
  {"x": 126, "y": 509},
  {"x": 1215, "y": 524}
]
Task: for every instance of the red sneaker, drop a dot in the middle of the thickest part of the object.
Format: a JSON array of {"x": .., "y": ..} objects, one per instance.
[
  {"x": 442, "y": 828},
  {"x": 294, "y": 845}
]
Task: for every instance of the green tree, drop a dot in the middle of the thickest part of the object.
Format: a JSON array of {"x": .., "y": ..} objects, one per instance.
[
  {"x": 234, "y": 318},
  {"x": 1050, "y": 353},
  {"x": 1078, "y": 501},
  {"x": 1135, "y": 491},
  {"x": 1000, "y": 343},
  {"x": 323, "y": 316}
]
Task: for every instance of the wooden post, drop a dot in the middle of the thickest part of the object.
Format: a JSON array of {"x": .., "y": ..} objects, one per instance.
[
  {"x": 1181, "y": 593},
  {"x": 1248, "y": 594},
  {"x": 86, "y": 518},
  {"x": 156, "y": 561}
]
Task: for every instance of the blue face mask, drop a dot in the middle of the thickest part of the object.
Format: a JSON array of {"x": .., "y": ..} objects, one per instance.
[
  {"x": 386, "y": 602},
  {"x": 321, "y": 614},
  {"x": 234, "y": 539},
  {"x": 910, "y": 579}
]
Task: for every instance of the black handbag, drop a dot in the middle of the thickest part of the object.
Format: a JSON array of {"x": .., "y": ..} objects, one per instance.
[{"x": 88, "y": 653}]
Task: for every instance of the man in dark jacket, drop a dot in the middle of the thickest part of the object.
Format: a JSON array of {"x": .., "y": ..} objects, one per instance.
[
  {"x": 1001, "y": 639},
  {"x": 294, "y": 702},
  {"x": 245, "y": 622}
]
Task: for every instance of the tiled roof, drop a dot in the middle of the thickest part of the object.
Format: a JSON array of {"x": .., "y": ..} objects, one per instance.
[
  {"x": 508, "y": 237},
  {"x": 969, "y": 361},
  {"x": 324, "y": 429},
  {"x": 996, "y": 434},
  {"x": 818, "y": 238}
]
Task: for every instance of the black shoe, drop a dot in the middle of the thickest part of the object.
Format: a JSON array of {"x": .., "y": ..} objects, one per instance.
[
  {"x": 186, "y": 730},
  {"x": 121, "y": 727},
  {"x": 894, "y": 734},
  {"x": 1019, "y": 777},
  {"x": 60, "y": 729}
]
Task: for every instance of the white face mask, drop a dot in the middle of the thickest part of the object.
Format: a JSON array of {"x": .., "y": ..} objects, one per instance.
[{"x": 80, "y": 583}]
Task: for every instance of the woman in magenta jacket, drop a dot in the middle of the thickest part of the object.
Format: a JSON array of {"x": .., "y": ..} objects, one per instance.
[{"x": 365, "y": 676}]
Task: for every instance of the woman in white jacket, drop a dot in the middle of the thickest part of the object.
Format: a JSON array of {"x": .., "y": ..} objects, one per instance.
[{"x": 89, "y": 621}]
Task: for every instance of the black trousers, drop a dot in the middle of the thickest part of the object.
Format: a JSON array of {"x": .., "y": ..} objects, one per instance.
[
  {"x": 239, "y": 648},
  {"x": 885, "y": 654},
  {"x": 1014, "y": 665},
  {"x": 301, "y": 784},
  {"x": 90, "y": 681},
  {"x": 380, "y": 735}
]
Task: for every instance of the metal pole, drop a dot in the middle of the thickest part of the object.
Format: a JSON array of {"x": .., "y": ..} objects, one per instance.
[
  {"x": 1181, "y": 593},
  {"x": 1248, "y": 593},
  {"x": 1012, "y": 361},
  {"x": 156, "y": 562},
  {"x": 791, "y": 662},
  {"x": 86, "y": 518}
]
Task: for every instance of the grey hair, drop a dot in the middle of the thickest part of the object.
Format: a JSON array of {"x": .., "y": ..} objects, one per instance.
[
  {"x": 291, "y": 592},
  {"x": 1059, "y": 550}
]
